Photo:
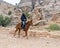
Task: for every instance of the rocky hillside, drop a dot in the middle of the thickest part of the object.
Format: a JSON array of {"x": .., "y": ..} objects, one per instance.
[
  {"x": 46, "y": 9},
  {"x": 49, "y": 8},
  {"x": 6, "y": 7},
  {"x": 47, "y": 5}
]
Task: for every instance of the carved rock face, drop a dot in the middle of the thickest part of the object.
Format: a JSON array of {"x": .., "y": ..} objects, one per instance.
[{"x": 36, "y": 14}]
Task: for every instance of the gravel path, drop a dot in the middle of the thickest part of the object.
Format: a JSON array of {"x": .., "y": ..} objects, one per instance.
[{"x": 8, "y": 41}]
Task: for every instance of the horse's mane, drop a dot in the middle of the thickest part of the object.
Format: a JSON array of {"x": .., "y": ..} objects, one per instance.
[{"x": 28, "y": 21}]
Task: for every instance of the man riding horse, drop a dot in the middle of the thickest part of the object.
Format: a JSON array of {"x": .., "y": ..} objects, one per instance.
[
  {"x": 23, "y": 20},
  {"x": 23, "y": 25}
]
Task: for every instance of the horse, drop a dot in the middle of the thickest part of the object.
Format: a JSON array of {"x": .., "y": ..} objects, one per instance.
[{"x": 18, "y": 27}]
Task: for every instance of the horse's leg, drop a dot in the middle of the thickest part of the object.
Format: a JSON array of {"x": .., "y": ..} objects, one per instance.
[
  {"x": 19, "y": 33},
  {"x": 25, "y": 34},
  {"x": 15, "y": 31}
]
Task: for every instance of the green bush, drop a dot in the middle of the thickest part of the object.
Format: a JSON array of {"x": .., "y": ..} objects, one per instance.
[
  {"x": 54, "y": 27},
  {"x": 1, "y": 18},
  {"x": 10, "y": 12},
  {"x": 4, "y": 20},
  {"x": 27, "y": 14}
]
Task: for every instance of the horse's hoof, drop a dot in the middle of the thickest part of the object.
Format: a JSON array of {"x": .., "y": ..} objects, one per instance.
[
  {"x": 24, "y": 36},
  {"x": 18, "y": 36},
  {"x": 13, "y": 35}
]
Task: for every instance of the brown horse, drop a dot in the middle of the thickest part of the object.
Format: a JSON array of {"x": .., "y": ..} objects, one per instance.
[{"x": 18, "y": 27}]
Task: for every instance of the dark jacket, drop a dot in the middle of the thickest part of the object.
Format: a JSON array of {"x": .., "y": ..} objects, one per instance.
[{"x": 23, "y": 17}]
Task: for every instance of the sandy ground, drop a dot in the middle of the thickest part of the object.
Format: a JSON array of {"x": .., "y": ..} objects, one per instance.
[{"x": 8, "y": 41}]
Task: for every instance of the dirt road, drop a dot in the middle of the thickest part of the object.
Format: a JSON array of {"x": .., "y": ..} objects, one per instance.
[{"x": 8, "y": 41}]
